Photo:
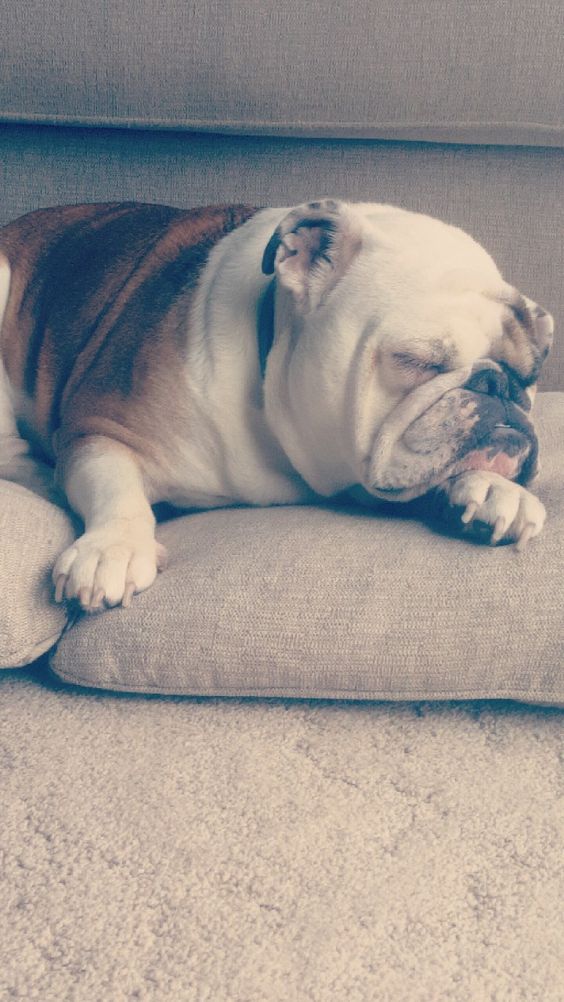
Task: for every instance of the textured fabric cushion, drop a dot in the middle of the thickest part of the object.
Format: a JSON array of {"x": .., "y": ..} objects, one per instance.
[
  {"x": 335, "y": 602},
  {"x": 443, "y": 70},
  {"x": 33, "y": 533},
  {"x": 508, "y": 199}
]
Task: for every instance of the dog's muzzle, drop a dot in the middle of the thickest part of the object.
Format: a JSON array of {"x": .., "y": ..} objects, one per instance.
[{"x": 440, "y": 431}]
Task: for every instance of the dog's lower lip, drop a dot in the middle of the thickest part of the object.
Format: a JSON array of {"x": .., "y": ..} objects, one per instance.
[{"x": 389, "y": 490}]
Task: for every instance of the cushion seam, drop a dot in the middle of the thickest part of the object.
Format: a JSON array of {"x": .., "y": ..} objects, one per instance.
[
  {"x": 368, "y": 128},
  {"x": 523, "y": 692}
]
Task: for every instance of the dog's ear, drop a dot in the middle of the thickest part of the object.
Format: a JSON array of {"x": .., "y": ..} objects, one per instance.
[
  {"x": 527, "y": 335},
  {"x": 311, "y": 249}
]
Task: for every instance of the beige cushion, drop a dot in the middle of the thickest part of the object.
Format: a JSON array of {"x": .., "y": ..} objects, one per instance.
[
  {"x": 33, "y": 532},
  {"x": 337, "y": 602},
  {"x": 441, "y": 71}
]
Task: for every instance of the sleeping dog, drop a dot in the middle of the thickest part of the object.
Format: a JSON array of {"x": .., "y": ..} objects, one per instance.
[{"x": 233, "y": 355}]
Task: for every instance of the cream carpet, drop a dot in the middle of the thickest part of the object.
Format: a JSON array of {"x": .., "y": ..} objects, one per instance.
[{"x": 272, "y": 851}]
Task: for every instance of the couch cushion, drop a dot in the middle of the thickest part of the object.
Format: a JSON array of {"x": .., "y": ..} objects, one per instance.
[
  {"x": 337, "y": 602},
  {"x": 442, "y": 71},
  {"x": 33, "y": 533}
]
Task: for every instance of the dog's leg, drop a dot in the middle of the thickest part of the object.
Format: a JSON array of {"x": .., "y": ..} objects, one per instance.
[
  {"x": 481, "y": 501},
  {"x": 118, "y": 554},
  {"x": 16, "y": 462}
]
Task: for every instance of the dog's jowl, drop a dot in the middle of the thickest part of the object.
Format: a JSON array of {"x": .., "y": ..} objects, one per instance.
[{"x": 234, "y": 355}]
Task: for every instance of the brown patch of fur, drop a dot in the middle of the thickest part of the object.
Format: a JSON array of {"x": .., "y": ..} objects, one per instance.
[
  {"x": 517, "y": 347},
  {"x": 98, "y": 316},
  {"x": 520, "y": 347}
]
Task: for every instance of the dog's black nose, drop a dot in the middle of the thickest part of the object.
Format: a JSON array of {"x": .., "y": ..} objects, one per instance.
[
  {"x": 490, "y": 380},
  {"x": 495, "y": 380}
]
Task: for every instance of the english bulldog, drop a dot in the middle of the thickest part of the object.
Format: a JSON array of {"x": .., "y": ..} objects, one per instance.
[{"x": 234, "y": 355}]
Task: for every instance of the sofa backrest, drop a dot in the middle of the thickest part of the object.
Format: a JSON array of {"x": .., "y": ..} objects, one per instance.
[{"x": 437, "y": 70}]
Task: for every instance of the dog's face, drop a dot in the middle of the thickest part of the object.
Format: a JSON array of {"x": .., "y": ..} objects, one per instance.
[{"x": 400, "y": 356}]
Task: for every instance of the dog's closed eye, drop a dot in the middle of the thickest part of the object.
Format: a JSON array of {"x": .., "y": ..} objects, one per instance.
[{"x": 414, "y": 368}]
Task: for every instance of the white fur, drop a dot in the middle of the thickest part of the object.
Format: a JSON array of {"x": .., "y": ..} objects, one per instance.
[
  {"x": 414, "y": 278},
  {"x": 231, "y": 453},
  {"x": 16, "y": 461},
  {"x": 510, "y": 509},
  {"x": 118, "y": 554},
  {"x": 8, "y": 428}
]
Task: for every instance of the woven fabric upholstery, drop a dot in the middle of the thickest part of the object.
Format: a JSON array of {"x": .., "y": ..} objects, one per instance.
[
  {"x": 33, "y": 533},
  {"x": 441, "y": 71}
]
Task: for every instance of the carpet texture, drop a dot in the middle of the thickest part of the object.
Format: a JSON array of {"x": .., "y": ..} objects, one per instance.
[{"x": 271, "y": 851}]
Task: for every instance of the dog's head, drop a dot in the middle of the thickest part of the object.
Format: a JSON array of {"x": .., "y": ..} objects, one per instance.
[{"x": 400, "y": 355}]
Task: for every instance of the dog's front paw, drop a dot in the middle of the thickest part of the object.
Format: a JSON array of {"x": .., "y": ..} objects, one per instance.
[
  {"x": 107, "y": 566},
  {"x": 488, "y": 502}
]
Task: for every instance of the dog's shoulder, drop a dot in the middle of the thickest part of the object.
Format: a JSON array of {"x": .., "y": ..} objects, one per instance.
[{"x": 99, "y": 291}]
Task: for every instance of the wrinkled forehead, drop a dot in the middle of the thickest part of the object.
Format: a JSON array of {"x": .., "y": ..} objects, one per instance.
[
  {"x": 421, "y": 285},
  {"x": 449, "y": 292},
  {"x": 403, "y": 301},
  {"x": 416, "y": 242}
]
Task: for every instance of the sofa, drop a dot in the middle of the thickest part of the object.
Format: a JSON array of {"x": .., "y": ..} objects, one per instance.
[{"x": 378, "y": 620}]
